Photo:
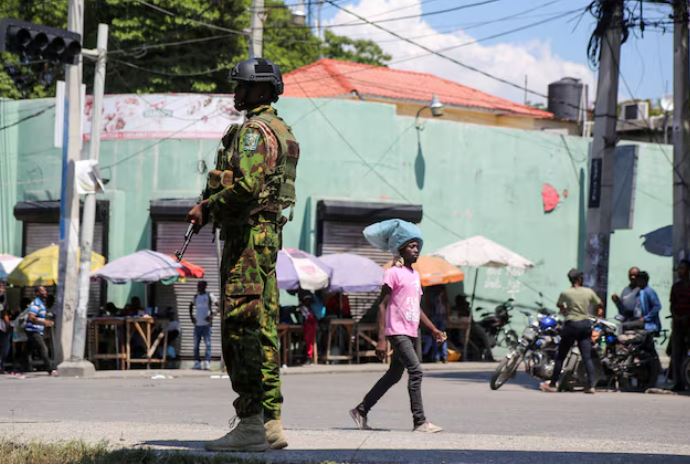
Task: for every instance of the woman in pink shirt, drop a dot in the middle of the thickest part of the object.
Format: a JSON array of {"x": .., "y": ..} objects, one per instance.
[{"x": 398, "y": 319}]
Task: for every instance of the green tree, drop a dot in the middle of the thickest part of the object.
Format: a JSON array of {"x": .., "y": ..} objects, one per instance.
[
  {"x": 354, "y": 50},
  {"x": 174, "y": 46}
]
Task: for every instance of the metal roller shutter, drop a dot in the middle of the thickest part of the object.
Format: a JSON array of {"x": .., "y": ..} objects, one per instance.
[
  {"x": 39, "y": 235},
  {"x": 346, "y": 237},
  {"x": 169, "y": 236}
]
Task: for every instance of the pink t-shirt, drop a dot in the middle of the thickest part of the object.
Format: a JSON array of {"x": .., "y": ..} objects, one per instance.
[{"x": 402, "y": 314}]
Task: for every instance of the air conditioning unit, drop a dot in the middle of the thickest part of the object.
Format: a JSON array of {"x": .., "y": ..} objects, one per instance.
[{"x": 635, "y": 110}]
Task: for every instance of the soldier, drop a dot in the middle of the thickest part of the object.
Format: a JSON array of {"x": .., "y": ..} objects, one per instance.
[{"x": 254, "y": 181}]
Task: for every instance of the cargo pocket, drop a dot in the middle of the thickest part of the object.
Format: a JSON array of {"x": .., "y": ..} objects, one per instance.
[
  {"x": 266, "y": 244},
  {"x": 245, "y": 277}
]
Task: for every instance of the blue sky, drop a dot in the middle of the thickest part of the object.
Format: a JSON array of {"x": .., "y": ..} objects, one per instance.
[{"x": 544, "y": 53}]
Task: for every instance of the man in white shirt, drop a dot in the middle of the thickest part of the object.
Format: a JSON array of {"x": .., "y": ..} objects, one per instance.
[{"x": 202, "y": 303}]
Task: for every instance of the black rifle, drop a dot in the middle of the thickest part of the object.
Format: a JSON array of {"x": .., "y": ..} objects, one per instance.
[{"x": 187, "y": 237}]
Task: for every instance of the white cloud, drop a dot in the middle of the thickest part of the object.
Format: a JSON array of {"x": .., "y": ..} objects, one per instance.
[{"x": 511, "y": 61}]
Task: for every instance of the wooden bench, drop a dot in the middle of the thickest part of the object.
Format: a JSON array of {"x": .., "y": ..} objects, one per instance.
[{"x": 336, "y": 326}]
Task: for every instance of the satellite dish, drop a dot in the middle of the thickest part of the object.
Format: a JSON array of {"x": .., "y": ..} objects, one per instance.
[{"x": 666, "y": 103}]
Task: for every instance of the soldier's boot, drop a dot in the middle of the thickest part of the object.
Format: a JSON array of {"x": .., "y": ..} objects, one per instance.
[
  {"x": 248, "y": 436},
  {"x": 275, "y": 435}
]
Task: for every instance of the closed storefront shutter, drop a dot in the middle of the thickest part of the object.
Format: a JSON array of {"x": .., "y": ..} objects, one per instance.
[
  {"x": 339, "y": 230},
  {"x": 347, "y": 237},
  {"x": 168, "y": 237},
  {"x": 39, "y": 235}
]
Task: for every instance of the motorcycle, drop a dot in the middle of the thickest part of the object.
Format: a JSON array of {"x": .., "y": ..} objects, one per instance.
[
  {"x": 537, "y": 347},
  {"x": 625, "y": 361},
  {"x": 492, "y": 330}
]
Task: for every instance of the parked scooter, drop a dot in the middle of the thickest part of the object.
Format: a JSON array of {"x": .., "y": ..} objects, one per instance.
[
  {"x": 492, "y": 330},
  {"x": 537, "y": 347},
  {"x": 625, "y": 361}
]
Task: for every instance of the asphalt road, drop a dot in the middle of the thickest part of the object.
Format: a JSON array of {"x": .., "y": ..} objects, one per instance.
[{"x": 514, "y": 424}]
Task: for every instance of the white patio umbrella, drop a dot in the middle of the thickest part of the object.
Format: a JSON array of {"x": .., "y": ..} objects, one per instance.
[
  {"x": 478, "y": 251},
  {"x": 7, "y": 264},
  {"x": 144, "y": 266}
]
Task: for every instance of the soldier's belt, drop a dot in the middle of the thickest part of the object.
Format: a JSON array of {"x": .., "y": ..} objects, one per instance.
[{"x": 217, "y": 178}]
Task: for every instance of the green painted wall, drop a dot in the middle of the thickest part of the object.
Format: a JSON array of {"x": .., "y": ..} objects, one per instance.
[{"x": 470, "y": 180}]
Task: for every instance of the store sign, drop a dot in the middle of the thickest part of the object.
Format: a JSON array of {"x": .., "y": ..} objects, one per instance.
[{"x": 156, "y": 116}]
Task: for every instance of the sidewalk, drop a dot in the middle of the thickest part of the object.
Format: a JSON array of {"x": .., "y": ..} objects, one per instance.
[
  {"x": 353, "y": 446},
  {"x": 297, "y": 370}
]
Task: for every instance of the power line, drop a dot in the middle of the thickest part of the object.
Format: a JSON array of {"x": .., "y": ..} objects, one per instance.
[
  {"x": 172, "y": 75},
  {"x": 469, "y": 26},
  {"x": 392, "y": 186},
  {"x": 200, "y": 23},
  {"x": 387, "y": 20},
  {"x": 441, "y": 55},
  {"x": 28, "y": 117},
  {"x": 145, "y": 47}
]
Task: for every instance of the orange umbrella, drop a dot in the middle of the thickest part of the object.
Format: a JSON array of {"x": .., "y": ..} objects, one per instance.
[
  {"x": 435, "y": 270},
  {"x": 190, "y": 270}
]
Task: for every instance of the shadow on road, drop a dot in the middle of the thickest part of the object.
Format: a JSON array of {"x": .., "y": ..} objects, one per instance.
[
  {"x": 521, "y": 378},
  {"x": 426, "y": 456}
]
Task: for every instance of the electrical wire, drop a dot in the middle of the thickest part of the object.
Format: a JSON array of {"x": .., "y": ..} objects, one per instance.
[
  {"x": 385, "y": 180},
  {"x": 28, "y": 117},
  {"x": 200, "y": 23},
  {"x": 172, "y": 75}
]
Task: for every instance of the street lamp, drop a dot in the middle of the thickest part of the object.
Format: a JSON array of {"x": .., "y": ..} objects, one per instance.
[{"x": 436, "y": 107}]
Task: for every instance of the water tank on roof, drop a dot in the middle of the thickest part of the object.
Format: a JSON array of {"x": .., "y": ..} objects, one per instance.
[{"x": 566, "y": 99}]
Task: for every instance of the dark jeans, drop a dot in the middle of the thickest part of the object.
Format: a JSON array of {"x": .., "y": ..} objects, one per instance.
[
  {"x": 202, "y": 331},
  {"x": 5, "y": 346},
  {"x": 404, "y": 357},
  {"x": 579, "y": 331},
  {"x": 36, "y": 342},
  {"x": 680, "y": 329}
]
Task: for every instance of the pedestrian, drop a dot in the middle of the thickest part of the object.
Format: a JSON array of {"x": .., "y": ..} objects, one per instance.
[
  {"x": 309, "y": 324},
  {"x": 680, "y": 323},
  {"x": 201, "y": 315},
  {"x": 437, "y": 305},
  {"x": 36, "y": 323},
  {"x": 398, "y": 319},
  {"x": 647, "y": 307},
  {"x": 254, "y": 181},
  {"x": 627, "y": 300},
  {"x": 574, "y": 303},
  {"x": 5, "y": 327}
]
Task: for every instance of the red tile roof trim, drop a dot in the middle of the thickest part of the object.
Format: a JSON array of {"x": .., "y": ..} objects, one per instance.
[{"x": 335, "y": 78}]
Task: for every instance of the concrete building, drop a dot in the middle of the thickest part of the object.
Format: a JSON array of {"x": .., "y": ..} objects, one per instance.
[{"x": 360, "y": 161}]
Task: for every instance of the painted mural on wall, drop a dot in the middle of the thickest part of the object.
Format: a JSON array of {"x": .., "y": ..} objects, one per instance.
[{"x": 153, "y": 116}]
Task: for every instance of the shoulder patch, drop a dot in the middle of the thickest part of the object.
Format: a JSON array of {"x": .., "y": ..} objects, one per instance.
[{"x": 251, "y": 139}]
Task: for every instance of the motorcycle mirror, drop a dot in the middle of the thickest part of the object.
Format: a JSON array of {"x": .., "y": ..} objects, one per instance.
[{"x": 510, "y": 299}]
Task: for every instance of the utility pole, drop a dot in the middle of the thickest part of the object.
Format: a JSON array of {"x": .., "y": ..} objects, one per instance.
[
  {"x": 77, "y": 365},
  {"x": 681, "y": 132},
  {"x": 256, "y": 37},
  {"x": 66, "y": 300},
  {"x": 601, "y": 157}
]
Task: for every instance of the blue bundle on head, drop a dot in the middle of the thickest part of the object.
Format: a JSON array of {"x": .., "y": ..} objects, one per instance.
[{"x": 392, "y": 234}]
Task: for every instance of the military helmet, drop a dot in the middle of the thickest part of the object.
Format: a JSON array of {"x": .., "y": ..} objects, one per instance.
[{"x": 258, "y": 70}]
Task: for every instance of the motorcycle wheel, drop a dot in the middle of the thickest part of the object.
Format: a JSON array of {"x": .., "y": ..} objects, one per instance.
[
  {"x": 646, "y": 377},
  {"x": 505, "y": 370}
]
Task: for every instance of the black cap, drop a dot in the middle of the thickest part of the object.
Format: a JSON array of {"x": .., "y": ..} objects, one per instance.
[{"x": 257, "y": 70}]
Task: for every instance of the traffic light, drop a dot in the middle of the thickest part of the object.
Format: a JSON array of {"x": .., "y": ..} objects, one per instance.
[{"x": 40, "y": 42}]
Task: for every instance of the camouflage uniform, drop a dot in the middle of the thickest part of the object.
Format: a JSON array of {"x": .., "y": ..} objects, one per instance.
[{"x": 246, "y": 196}]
